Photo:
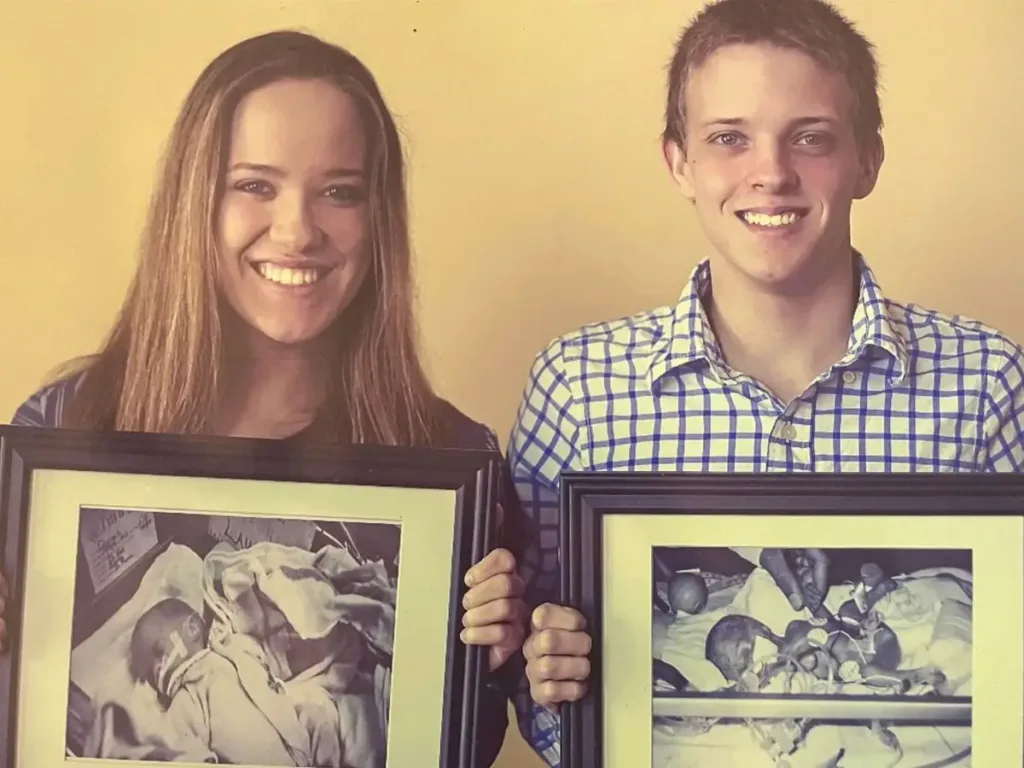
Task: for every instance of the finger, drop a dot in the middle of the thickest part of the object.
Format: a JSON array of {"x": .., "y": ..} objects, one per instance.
[
  {"x": 556, "y": 642},
  {"x": 509, "y": 635},
  {"x": 3, "y": 636},
  {"x": 497, "y": 587},
  {"x": 551, "y": 616},
  {"x": 558, "y": 669},
  {"x": 3, "y": 587},
  {"x": 499, "y": 654},
  {"x": 504, "y": 611},
  {"x": 495, "y": 562},
  {"x": 774, "y": 562},
  {"x": 551, "y": 693}
]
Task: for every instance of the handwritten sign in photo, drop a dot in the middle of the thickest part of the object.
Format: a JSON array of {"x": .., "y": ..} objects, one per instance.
[
  {"x": 243, "y": 532},
  {"x": 113, "y": 540}
]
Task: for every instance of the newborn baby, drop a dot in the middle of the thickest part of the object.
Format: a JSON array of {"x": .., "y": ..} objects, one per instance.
[
  {"x": 856, "y": 646},
  {"x": 871, "y": 660},
  {"x": 208, "y": 708}
]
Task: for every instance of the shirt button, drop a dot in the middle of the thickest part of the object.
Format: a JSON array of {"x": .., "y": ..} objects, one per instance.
[
  {"x": 788, "y": 431},
  {"x": 849, "y": 377}
]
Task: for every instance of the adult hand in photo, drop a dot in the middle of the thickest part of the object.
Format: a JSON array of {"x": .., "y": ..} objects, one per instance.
[
  {"x": 495, "y": 612},
  {"x": 803, "y": 578},
  {"x": 556, "y": 655},
  {"x": 3, "y": 608}
]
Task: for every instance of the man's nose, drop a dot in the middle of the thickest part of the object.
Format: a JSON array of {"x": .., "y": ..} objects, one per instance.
[{"x": 772, "y": 168}]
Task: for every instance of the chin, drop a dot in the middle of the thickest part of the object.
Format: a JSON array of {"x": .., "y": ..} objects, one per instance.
[
  {"x": 289, "y": 335},
  {"x": 774, "y": 267}
]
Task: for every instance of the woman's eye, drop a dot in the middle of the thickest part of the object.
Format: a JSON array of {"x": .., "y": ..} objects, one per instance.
[
  {"x": 254, "y": 187},
  {"x": 345, "y": 194}
]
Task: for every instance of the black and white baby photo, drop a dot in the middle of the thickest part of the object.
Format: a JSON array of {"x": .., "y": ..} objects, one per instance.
[
  {"x": 237, "y": 640},
  {"x": 755, "y": 625}
]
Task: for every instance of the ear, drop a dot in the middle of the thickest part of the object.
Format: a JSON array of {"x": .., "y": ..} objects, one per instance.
[
  {"x": 675, "y": 158},
  {"x": 871, "y": 158}
]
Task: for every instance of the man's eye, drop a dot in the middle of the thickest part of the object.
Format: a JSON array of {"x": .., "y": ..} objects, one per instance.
[
  {"x": 727, "y": 139},
  {"x": 815, "y": 140}
]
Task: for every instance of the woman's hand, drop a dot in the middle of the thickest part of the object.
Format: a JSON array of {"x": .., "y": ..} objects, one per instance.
[{"x": 495, "y": 612}]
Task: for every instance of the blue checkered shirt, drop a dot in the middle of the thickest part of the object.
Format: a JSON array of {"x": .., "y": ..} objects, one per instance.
[{"x": 916, "y": 391}]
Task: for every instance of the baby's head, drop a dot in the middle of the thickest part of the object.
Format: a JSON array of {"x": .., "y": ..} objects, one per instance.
[
  {"x": 871, "y": 575},
  {"x": 166, "y": 635}
]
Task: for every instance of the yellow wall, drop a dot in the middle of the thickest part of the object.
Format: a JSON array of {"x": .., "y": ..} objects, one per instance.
[{"x": 539, "y": 198}]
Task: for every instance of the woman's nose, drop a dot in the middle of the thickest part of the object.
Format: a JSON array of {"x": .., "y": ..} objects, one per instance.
[{"x": 293, "y": 227}]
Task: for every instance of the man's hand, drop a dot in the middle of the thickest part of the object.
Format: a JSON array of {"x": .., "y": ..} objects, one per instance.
[
  {"x": 3, "y": 607},
  {"x": 495, "y": 612},
  {"x": 802, "y": 589},
  {"x": 556, "y": 655}
]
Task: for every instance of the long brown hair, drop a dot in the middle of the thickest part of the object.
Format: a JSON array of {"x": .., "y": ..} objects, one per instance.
[{"x": 161, "y": 368}]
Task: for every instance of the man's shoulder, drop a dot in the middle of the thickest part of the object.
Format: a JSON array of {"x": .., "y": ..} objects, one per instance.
[
  {"x": 941, "y": 337},
  {"x": 628, "y": 336}
]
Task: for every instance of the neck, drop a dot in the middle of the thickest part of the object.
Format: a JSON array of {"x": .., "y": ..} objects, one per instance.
[
  {"x": 272, "y": 390},
  {"x": 784, "y": 339}
]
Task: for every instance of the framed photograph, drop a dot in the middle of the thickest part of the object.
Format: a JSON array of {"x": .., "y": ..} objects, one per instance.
[
  {"x": 796, "y": 621},
  {"x": 237, "y": 601}
]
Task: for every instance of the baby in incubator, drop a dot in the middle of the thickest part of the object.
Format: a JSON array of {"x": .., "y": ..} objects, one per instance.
[{"x": 208, "y": 708}]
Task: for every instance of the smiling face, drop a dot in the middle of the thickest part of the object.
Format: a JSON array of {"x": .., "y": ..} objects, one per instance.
[
  {"x": 291, "y": 225},
  {"x": 772, "y": 164}
]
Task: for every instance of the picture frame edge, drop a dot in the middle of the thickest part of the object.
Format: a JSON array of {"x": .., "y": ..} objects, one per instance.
[
  {"x": 473, "y": 474},
  {"x": 1001, "y": 493}
]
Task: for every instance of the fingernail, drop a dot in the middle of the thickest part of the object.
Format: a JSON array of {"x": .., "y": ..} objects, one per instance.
[
  {"x": 470, "y": 578},
  {"x": 462, "y": 635}
]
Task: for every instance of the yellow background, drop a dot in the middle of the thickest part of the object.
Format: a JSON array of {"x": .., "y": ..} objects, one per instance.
[{"x": 539, "y": 197}]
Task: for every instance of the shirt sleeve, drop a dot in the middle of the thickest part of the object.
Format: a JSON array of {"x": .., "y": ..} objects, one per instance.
[
  {"x": 544, "y": 443},
  {"x": 1003, "y": 420},
  {"x": 45, "y": 407}
]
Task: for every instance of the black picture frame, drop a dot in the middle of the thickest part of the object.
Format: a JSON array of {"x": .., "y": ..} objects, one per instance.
[
  {"x": 588, "y": 498},
  {"x": 472, "y": 474}
]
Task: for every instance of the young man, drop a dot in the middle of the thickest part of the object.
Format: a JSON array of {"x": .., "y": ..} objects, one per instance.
[{"x": 782, "y": 354}]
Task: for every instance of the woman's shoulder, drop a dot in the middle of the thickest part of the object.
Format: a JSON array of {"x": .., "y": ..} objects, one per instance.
[
  {"x": 45, "y": 406},
  {"x": 465, "y": 432}
]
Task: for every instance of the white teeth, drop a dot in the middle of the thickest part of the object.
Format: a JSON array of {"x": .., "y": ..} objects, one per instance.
[
  {"x": 287, "y": 275},
  {"x": 764, "y": 220}
]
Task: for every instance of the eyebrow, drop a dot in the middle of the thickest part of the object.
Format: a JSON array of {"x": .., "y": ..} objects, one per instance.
[
  {"x": 272, "y": 170},
  {"x": 800, "y": 121}
]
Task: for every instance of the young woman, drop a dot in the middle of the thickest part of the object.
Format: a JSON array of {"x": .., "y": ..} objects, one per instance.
[{"x": 273, "y": 297}]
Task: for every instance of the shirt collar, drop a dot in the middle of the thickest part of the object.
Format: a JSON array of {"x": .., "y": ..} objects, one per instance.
[{"x": 686, "y": 336}]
